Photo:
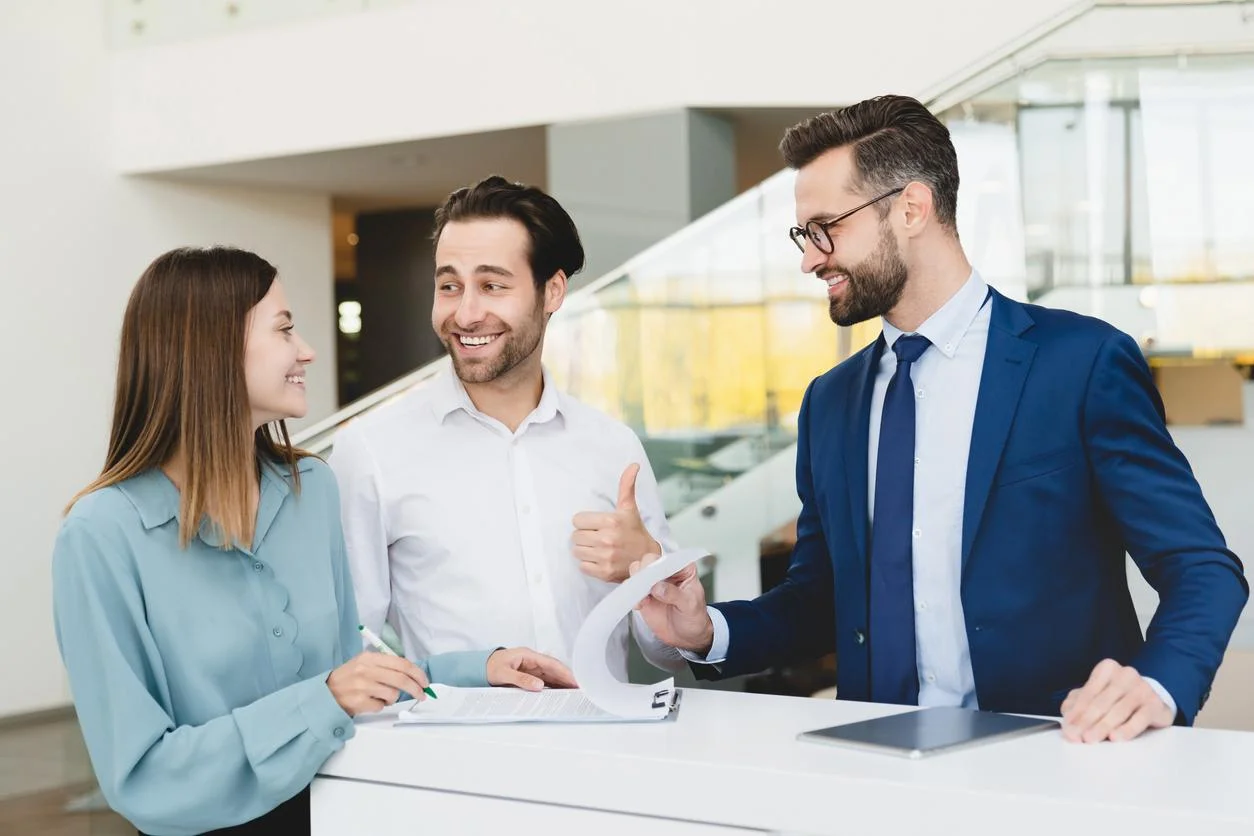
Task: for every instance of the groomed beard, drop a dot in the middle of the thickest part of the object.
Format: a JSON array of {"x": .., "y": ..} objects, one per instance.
[
  {"x": 517, "y": 344},
  {"x": 874, "y": 286}
]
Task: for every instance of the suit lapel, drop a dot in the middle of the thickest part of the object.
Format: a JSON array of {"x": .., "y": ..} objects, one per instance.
[
  {"x": 858, "y": 423},
  {"x": 1007, "y": 360}
]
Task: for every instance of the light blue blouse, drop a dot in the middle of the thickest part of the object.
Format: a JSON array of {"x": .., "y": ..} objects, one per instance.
[{"x": 199, "y": 676}]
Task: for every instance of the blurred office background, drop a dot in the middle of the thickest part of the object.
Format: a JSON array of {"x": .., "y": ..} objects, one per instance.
[{"x": 1106, "y": 168}]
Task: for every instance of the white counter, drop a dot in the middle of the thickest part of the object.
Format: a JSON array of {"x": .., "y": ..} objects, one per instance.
[{"x": 730, "y": 763}]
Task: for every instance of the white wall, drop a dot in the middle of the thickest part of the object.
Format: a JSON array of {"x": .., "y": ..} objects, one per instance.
[
  {"x": 443, "y": 68},
  {"x": 74, "y": 237}
]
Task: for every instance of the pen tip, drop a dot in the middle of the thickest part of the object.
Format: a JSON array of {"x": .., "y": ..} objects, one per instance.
[{"x": 361, "y": 627}]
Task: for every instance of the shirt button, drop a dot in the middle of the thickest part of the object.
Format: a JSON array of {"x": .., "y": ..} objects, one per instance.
[
  {"x": 921, "y": 606},
  {"x": 930, "y": 677},
  {"x": 916, "y": 462},
  {"x": 257, "y": 567},
  {"x": 918, "y": 533},
  {"x": 338, "y": 731},
  {"x": 919, "y": 393},
  {"x": 278, "y": 631},
  {"x": 949, "y": 346}
]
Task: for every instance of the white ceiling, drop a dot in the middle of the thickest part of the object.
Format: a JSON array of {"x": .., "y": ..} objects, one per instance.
[
  {"x": 423, "y": 173},
  {"x": 418, "y": 173}
]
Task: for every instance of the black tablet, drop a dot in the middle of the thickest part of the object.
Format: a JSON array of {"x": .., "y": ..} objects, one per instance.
[{"x": 926, "y": 731}]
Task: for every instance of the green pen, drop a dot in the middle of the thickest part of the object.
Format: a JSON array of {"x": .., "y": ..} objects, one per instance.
[{"x": 377, "y": 644}]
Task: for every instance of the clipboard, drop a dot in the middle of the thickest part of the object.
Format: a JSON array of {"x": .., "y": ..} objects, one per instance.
[{"x": 495, "y": 706}]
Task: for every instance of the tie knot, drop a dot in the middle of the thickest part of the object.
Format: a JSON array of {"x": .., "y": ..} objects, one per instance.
[{"x": 909, "y": 347}]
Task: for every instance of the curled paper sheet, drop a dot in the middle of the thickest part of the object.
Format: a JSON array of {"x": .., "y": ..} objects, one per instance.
[
  {"x": 600, "y": 698},
  {"x": 588, "y": 660}
]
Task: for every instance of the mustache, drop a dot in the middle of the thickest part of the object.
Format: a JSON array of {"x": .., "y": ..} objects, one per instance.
[{"x": 448, "y": 327}]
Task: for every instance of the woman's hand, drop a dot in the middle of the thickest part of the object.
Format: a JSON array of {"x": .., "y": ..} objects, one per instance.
[{"x": 371, "y": 681}]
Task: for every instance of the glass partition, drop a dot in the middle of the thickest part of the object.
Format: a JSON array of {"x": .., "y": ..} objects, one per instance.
[
  {"x": 1133, "y": 170},
  {"x": 1134, "y": 176}
]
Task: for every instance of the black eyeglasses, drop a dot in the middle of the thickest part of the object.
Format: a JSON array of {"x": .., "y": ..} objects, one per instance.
[{"x": 817, "y": 232}]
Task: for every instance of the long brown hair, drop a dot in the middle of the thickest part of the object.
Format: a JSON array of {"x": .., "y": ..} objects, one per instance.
[{"x": 181, "y": 388}]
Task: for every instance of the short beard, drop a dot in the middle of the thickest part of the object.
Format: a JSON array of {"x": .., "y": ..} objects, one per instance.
[
  {"x": 874, "y": 287},
  {"x": 519, "y": 344}
]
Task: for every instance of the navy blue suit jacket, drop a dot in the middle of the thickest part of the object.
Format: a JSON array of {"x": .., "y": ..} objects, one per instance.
[{"x": 1071, "y": 467}]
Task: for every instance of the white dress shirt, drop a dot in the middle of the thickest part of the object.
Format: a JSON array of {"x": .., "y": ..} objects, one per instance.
[
  {"x": 946, "y": 381},
  {"x": 459, "y": 531}
]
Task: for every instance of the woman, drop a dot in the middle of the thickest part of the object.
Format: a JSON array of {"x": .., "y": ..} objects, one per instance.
[{"x": 203, "y": 604}]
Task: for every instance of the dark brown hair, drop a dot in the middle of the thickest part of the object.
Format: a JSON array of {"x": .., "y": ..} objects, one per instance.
[
  {"x": 554, "y": 239},
  {"x": 181, "y": 388},
  {"x": 895, "y": 139}
]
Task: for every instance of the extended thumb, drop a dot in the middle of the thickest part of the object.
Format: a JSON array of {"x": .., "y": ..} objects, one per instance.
[{"x": 627, "y": 487}]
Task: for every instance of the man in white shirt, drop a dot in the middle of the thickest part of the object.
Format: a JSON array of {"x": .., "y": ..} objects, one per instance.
[{"x": 488, "y": 508}]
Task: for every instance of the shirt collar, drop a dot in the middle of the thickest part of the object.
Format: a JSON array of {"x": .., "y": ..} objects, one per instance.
[
  {"x": 946, "y": 328},
  {"x": 157, "y": 500},
  {"x": 154, "y": 497},
  {"x": 449, "y": 395}
]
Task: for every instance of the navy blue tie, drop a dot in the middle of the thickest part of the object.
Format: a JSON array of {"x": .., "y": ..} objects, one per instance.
[{"x": 894, "y": 673}]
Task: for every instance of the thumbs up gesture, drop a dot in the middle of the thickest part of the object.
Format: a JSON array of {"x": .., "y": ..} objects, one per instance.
[{"x": 607, "y": 543}]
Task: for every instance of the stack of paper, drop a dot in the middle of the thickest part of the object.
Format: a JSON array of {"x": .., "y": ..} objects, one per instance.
[{"x": 600, "y": 697}]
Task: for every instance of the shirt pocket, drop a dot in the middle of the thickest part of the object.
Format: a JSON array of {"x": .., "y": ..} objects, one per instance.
[{"x": 1041, "y": 464}]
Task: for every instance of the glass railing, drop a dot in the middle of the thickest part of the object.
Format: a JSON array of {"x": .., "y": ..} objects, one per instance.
[
  {"x": 703, "y": 345},
  {"x": 1131, "y": 170},
  {"x": 133, "y": 23}
]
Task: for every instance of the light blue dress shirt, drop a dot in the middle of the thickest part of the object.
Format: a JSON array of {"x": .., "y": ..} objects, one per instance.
[
  {"x": 947, "y": 385},
  {"x": 199, "y": 675}
]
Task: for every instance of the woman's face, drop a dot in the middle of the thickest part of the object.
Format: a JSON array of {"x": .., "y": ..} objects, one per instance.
[{"x": 274, "y": 360}]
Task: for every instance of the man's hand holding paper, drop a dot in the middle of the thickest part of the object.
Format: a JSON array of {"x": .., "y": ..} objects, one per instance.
[{"x": 675, "y": 608}]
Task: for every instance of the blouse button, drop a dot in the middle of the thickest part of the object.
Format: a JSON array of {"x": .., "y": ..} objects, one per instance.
[
  {"x": 278, "y": 631},
  {"x": 257, "y": 567}
]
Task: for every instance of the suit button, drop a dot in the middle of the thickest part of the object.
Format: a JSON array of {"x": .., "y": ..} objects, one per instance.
[{"x": 859, "y": 636}]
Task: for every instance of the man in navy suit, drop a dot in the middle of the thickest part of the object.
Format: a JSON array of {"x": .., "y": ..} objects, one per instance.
[{"x": 971, "y": 482}]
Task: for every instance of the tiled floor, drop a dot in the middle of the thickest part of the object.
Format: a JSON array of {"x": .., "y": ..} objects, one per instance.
[{"x": 42, "y": 768}]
